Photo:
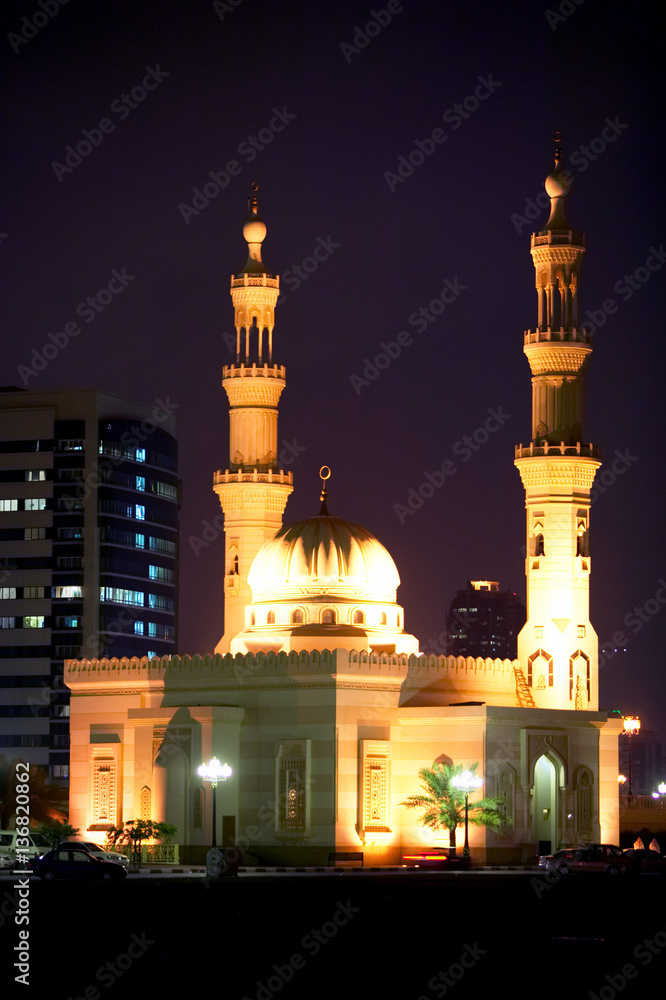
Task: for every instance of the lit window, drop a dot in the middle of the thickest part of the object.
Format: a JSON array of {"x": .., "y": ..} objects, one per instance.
[
  {"x": 63, "y": 593},
  {"x": 7, "y": 593},
  {"x": 151, "y": 653},
  {"x": 35, "y": 475},
  {"x": 140, "y": 541},
  {"x": 141, "y": 483},
  {"x": 139, "y": 512},
  {"x": 8, "y": 504},
  {"x": 138, "y": 628},
  {"x": 33, "y": 621},
  {"x": 140, "y": 455},
  {"x": 7, "y": 622},
  {"x": 35, "y": 503}
]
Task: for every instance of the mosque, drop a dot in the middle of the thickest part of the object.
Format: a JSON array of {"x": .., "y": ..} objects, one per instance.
[{"x": 317, "y": 696}]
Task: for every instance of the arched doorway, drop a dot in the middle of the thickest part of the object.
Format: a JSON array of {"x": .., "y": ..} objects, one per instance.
[{"x": 545, "y": 801}]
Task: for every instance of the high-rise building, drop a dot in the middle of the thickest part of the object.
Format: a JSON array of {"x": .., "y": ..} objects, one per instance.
[
  {"x": 89, "y": 501},
  {"x": 484, "y": 621}
]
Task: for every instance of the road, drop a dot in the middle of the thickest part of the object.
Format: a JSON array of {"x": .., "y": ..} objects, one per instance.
[{"x": 372, "y": 934}]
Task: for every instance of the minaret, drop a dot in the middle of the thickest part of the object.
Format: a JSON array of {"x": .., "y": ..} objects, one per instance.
[
  {"x": 253, "y": 492},
  {"x": 558, "y": 648}
]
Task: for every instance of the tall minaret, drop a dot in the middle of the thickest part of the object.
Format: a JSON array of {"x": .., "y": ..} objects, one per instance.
[
  {"x": 253, "y": 491},
  {"x": 558, "y": 648}
]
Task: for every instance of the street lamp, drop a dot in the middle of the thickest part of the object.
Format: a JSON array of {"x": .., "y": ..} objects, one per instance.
[
  {"x": 467, "y": 782},
  {"x": 213, "y": 771}
]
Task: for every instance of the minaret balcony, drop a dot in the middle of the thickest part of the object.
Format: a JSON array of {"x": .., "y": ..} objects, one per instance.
[
  {"x": 264, "y": 280},
  {"x": 547, "y": 238},
  {"x": 273, "y": 476},
  {"x": 254, "y": 371},
  {"x": 546, "y": 448},
  {"x": 571, "y": 335}
]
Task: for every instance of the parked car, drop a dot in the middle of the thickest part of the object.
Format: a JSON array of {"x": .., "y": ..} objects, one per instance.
[
  {"x": 605, "y": 858},
  {"x": 645, "y": 860},
  {"x": 9, "y": 845},
  {"x": 74, "y": 863},
  {"x": 558, "y": 862},
  {"x": 96, "y": 851},
  {"x": 608, "y": 859}
]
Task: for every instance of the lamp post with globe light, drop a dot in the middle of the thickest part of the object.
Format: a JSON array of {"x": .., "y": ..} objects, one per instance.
[
  {"x": 213, "y": 772},
  {"x": 467, "y": 782}
]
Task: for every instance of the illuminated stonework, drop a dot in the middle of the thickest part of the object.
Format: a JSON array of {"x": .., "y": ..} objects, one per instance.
[
  {"x": 321, "y": 704},
  {"x": 557, "y": 470},
  {"x": 253, "y": 490}
]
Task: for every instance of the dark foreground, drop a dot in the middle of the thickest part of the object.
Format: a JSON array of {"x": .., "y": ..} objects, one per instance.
[{"x": 409, "y": 936}]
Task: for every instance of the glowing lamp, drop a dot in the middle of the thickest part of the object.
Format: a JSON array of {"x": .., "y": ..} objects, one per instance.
[
  {"x": 662, "y": 788},
  {"x": 213, "y": 772},
  {"x": 632, "y": 724}
]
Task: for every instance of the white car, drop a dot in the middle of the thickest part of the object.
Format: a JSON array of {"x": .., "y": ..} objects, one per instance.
[
  {"x": 97, "y": 851},
  {"x": 9, "y": 852}
]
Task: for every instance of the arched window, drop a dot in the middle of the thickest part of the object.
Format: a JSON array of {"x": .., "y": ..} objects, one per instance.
[
  {"x": 538, "y": 545},
  {"x": 328, "y": 617},
  {"x": 236, "y": 565},
  {"x": 382, "y": 618},
  {"x": 359, "y": 618},
  {"x": 297, "y": 617},
  {"x": 253, "y": 619},
  {"x": 270, "y": 618}
]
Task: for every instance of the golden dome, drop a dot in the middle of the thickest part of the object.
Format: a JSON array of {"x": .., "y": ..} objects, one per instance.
[{"x": 327, "y": 556}]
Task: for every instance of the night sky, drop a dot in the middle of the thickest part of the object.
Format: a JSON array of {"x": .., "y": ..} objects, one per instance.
[{"x": 322, "y": 113}]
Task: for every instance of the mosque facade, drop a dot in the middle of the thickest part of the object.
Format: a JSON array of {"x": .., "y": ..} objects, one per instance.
[{"x": 316, "y": 695}]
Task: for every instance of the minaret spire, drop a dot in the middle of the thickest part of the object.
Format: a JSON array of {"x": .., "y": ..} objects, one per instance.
[
  {"x": 557, "y": 647},
  {"x": 253, "y": 490}
]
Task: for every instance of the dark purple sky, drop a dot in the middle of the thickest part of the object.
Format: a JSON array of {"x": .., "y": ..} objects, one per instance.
[{"x": 219, "y": 73}]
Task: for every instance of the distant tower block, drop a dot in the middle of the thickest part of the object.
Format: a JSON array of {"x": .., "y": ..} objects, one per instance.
[
  {"x": 558, "y": 648},
  {"x": 253, "y": 491}
]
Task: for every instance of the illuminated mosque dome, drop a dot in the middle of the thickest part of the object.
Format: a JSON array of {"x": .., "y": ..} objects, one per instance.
[
  {"x": 323, "y": 582},
  {"x": 328, "y": 557}
]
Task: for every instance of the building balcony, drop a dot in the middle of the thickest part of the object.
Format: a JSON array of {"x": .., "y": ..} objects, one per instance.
[
  {"x": 254, "y": 371},
  {"x": 547, "y": 448},
  {"x": 572, "y": 335},
  {"x": 279, "y": 478},
  {"x": 264, "y": 280},
  {"x": 547, "y": 238}
]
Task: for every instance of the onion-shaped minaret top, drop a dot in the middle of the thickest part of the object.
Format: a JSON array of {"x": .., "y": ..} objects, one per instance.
[
  {"x": 254, "y": 232},
  {"x": 558, "y": 184}
]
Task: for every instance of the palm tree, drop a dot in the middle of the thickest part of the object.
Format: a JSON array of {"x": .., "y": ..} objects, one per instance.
[{"x": 444, "y": 806}]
